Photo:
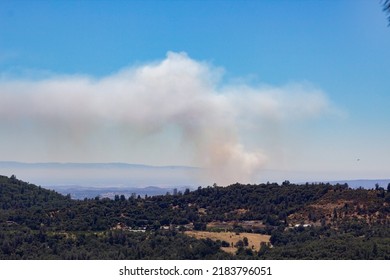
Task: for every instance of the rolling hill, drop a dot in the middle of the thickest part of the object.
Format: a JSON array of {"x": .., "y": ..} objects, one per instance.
[{"x": 295, "y": 221}]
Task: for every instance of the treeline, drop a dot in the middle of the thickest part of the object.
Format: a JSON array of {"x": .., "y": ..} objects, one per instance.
[
  {"x": 36, "y": 223},
  {"x": 270, "y": 203}
]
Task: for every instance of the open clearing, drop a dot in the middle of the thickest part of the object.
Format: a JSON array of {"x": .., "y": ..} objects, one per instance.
[{"x": 254, "y": 239}]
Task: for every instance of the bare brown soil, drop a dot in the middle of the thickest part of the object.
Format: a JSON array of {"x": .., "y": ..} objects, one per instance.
[{"x": 232, "y": 238}]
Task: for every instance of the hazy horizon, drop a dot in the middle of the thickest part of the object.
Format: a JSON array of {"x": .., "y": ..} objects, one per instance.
[{"x": 125, "y": 175}]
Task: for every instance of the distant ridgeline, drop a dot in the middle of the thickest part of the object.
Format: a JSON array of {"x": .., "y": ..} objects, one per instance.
[{"x": 307, "y": 221}]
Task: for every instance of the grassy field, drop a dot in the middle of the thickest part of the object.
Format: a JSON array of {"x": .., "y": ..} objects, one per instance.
[{"x": 232, "y": 238}]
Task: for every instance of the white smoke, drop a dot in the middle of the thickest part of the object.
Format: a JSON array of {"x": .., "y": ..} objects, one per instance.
[{"x": 212, "y": 120}]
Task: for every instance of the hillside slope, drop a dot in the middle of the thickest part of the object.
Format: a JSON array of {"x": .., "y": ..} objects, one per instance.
[{"x": 310, "y": 221}]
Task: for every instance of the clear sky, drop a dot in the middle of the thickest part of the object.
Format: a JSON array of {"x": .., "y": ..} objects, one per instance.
[{"x": 237, "y": 87}]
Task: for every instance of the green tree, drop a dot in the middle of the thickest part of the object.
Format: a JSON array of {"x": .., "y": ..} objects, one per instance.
[
  {"x": 264, "y": 247},
  {"x": 334, "y": 213},
  {"x": 386, "y": 9},
  {"x": 239, "y": 244},
  {"x": 200, "y": 226}
]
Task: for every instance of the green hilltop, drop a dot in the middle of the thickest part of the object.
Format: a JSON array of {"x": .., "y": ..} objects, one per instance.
[{"x": 299, "y": 221}]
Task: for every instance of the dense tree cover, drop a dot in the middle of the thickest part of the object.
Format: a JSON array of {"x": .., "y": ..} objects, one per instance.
[
  {"x": 269, "y": 202},
  {"x": 17, "y": 242},
  {"x": 326, "y": 243},
  {"x": 36, "y": 223}
]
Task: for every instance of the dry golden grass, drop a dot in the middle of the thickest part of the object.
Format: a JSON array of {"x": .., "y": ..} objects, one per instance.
[{"x": 254, "y": 239}]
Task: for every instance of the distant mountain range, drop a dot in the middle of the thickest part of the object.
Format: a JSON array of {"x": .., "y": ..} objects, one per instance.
[
  {"x": 107, "y": 179},
  {"x": 102, "y": 175},
  {"x": 80, "y": 192}
]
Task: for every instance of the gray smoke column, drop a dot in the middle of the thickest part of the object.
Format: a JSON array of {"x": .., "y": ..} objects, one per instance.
[{"x": 178, "y": 93}]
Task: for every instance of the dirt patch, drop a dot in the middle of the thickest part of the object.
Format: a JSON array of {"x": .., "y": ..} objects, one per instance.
[
  {"x": 240, "y": 211},
  {"x": 232, "y": 238}
]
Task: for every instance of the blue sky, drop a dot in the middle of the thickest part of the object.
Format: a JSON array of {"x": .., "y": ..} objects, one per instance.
[{"x": 333, "y": 51}]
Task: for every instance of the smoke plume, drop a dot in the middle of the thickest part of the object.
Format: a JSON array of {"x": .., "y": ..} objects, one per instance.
[{"x": 176, "y": 100}]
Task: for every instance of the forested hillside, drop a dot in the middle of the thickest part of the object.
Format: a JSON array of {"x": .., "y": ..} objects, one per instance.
[{"x": 309, "y": 221}]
